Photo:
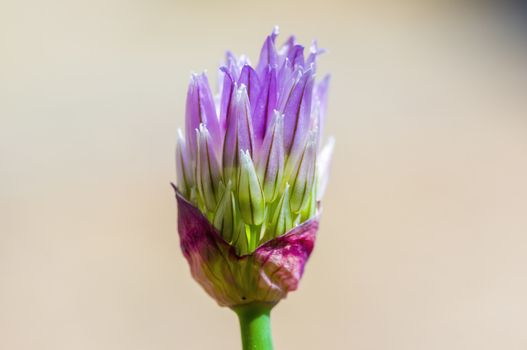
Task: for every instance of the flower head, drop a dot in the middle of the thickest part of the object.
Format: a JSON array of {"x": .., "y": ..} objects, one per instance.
[{"x": 251, "y": 172}]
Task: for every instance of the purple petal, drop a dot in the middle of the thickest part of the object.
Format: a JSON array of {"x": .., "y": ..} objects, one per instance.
[
  {"x": 268, "y": 55},
  {"x": 286, "y": 78},
  {"x": 296, "y": 55},
  {"x": 192, "y": 116},
  {"x": 297, "y": 111},
  {"x": 230, "y": 145},
  {"x": 271, "y": 158},
  {"x": 249, "y": 78},
  {"x": 226, "y": 94},
  {"x": 231, "y": 62},
  {"x": 200, "y": 109},
  {"x": 266, "y": 275},
  {"x": 242, "y": 113},
  {"x": 210, "y": 118},
  {"x": 184, "y": 166},
  {"x": 265, "y": 104},
  {"x": 288, "y": 46},
  {"x": 208, "y": 169},
  {"x": 239, "y": 132},
  {"x": 314, "y": 52}
]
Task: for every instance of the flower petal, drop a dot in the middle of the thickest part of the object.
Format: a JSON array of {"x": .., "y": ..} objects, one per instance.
[
  {"x": 271, "y": 158},
  {"x": 287, "y": 47},
  {"x": 281, "y": 221},
  {"x": 249, "y": 78},
  {"x": 250, "y": 194},
  {"x": 296, "y": 55},
  {"x": 302, "y": 179},
  {"x": 314, "y": 52},
  {"x": 226, "y": 95},
  {"x": 201, "y": 109},
  {"x": 297, "y": 111},
  {"x": 184, "y": 166},
  {"x": 208, "y": 169},
  {"x": 225, "y": 218},
  {"x": 265, "y": 104},
  {"x": 268, "y": 55},
  {"x": 239, "y": 133}
]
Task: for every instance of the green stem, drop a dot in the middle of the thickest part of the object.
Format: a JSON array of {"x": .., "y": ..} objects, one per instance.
[{"x": 255, "y": 325}]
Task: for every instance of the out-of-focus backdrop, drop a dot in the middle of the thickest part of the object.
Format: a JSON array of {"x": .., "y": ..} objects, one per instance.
[{"x": 423, "y": 243}]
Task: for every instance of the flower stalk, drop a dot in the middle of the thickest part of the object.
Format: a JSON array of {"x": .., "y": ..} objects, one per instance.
[{"x": 255, "y": 326}]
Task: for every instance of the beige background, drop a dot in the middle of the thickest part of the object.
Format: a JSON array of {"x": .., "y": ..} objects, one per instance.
[{"x": 423, "y": 242}]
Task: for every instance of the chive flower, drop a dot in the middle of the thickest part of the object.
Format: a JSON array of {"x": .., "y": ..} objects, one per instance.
[{"x": 251, "y": 172}]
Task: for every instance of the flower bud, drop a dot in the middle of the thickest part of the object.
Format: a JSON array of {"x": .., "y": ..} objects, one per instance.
[{"x": 249, "y": 173}]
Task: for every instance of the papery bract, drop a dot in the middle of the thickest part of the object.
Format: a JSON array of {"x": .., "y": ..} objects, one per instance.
[{"x": 266, "y": 275}]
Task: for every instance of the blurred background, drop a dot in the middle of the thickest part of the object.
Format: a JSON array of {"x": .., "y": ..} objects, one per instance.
[{"x": 423, "y": 243}]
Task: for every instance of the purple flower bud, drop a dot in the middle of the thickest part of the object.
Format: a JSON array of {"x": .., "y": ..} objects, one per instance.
[{"x": 249, "y": 173}]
